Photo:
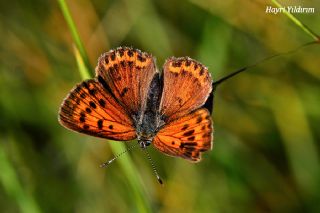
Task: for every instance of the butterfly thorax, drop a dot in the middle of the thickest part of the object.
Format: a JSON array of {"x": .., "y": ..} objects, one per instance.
[{"x": 148, "y": 128}]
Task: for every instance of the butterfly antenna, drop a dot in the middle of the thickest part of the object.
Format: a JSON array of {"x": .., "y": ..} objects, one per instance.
[
  {"x": 153, "y": 166},
  {"x": 216, "y": 83},
  {"x": 118, "y": 155}
]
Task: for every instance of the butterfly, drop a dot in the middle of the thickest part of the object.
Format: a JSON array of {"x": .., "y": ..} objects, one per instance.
[{"x": 129, "y": 98}]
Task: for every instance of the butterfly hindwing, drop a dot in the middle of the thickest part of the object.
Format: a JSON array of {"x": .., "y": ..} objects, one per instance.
[
  {"x": 128, "y": 72},
  {"x": 187, "y": 85},
  {"x": 187, "y": 136},
  {"x": 90, "y": 109}
]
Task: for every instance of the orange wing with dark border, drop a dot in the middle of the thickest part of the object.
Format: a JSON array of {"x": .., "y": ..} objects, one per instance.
[
  {"x": 187, "y": 85},
  {"x": 186, "y": 137},
  {"x": 92, "y": 110},
  {"x": 128, "y": 73},
  {"x": 188, "y": 129}
]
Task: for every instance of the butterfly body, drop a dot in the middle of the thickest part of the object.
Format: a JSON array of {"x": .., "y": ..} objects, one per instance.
[
  {"x": 130, "y": 99},
  {"x": 150, "y": 120}
]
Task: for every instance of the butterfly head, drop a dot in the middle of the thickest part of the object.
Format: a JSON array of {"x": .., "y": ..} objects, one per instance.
[{"x": 145, "y": 140}]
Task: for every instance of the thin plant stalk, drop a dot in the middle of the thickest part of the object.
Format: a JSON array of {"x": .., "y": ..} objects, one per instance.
[
  {"x": 298, "y": 22},
  {"x": 11, "y": 184},
  {"x": 125, "y": 161},
  {"x": 84, "y": 72},
  {"x": 74, "y": 32}
]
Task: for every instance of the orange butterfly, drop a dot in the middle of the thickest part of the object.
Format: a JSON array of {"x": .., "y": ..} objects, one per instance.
[{"x": 129, "y": 98}]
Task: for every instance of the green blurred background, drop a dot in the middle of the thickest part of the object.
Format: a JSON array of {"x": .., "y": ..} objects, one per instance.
[{"x": 266, "y": 148}]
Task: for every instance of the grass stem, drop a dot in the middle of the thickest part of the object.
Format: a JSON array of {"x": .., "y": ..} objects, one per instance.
[
  {"x": 74, "y": 32},
  {"x": 126, "y": 164},
  {"x": 298, "y": 22}
]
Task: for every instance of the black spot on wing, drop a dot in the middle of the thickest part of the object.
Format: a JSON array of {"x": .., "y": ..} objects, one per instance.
[
  {"x": 188, "y": 133},
  {"x": 130, "y": 64},
  {"x": 176, "y": 64},
  {"x": 130, "y": 53},
  {"x": 201, "y": 71},
  {"x": 106, "y": 60},
  {"x": 141, "y": 58},
  {"x": 100, "y": 123},
  {"x": 123, "y": 63},
  {"x": 113, "y": 56},
  {"x": 92, "y": 104},
  {"x": 83, "y": 95},
  {"x": 190, "y": 144},
  {"x": 92, "y": 91},
  {"x": 82, "y": 119},
  {"x": 208, "y": 134},
  {"x": 124, "y": 91},
  {"x": 102, "y": 102},
  {"x": 185, "y": 127},
  {"x": 191, "y": 138},
  {"x": 116, "y": 67},
  {"x": 88, "y": 110},
  {"x": 121, "y": 52}
]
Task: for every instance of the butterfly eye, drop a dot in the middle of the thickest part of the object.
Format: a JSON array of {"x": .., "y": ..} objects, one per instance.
[{"x": 143, "y": 144}]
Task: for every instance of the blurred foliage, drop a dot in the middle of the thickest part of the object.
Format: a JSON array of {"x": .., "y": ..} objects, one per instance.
[{"x": 266, "y": 153}]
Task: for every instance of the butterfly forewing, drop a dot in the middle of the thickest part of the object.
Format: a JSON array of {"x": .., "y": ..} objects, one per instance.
[
  {"x": 187, "y": 85},
  {"x": 128, "y": 72},
  {"x": 187, "y": 136},
  {"x": 90, "y": 109}
]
